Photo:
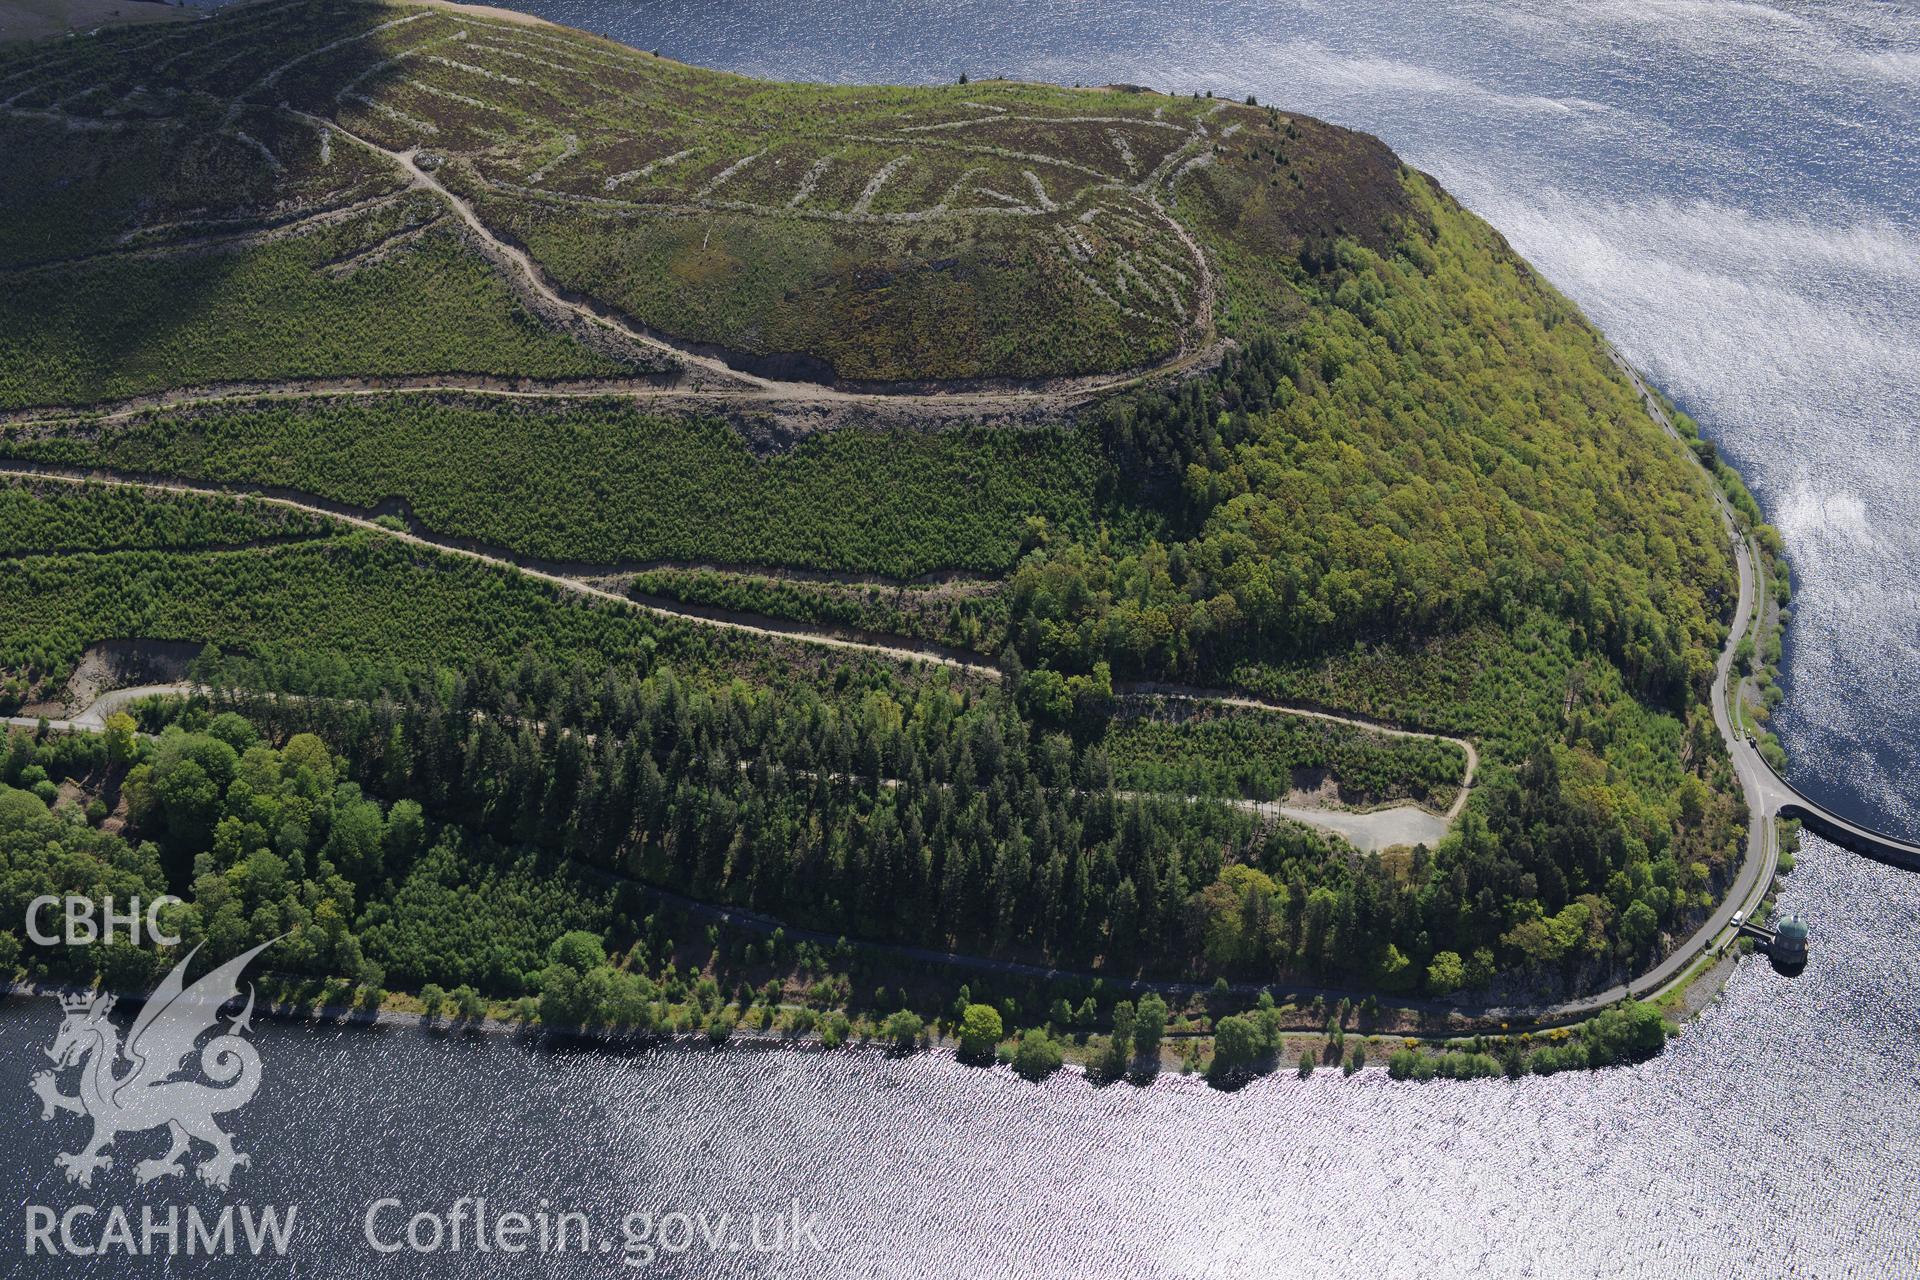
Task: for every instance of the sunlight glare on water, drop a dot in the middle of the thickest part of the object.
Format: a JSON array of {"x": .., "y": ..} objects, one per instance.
[
  {"x": 1779, "y": 1125},
  {"x": 1730, "y": 191}
]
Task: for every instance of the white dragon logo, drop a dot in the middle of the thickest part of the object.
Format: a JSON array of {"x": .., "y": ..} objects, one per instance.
[{"x": 146, "y": 1096}]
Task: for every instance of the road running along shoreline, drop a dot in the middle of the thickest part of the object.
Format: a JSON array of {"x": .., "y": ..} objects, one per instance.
[
  {"x": 93, "y": 720},
  {"x": 1764, "y": 793}
]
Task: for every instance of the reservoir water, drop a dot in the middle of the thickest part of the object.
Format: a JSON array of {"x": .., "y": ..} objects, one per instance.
[
  {"x": 1780, "y": 1126},
  {"x": 1732, "y": 191}
]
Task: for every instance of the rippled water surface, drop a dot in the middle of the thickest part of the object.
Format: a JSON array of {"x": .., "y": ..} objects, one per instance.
[
  {"x": 1730, "y": 191},
  {"x": 1781, "y": 1125}
]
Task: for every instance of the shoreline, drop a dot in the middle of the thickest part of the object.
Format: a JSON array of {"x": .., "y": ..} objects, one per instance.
[
  {"x": 1689, "y": 942},
  {"x": 1697, "y": 991},
  {"x": 354, "y": 1018},
  {"x": 1748, "y": 887},
  {"x": 1457, "y": 1020}
]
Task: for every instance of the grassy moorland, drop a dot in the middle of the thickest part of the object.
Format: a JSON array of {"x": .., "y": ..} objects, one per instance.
[
  {"x": 1011, "y": 230},
  {"x": 1413, "y": 487},
  {"x": 325, "y": 304}
]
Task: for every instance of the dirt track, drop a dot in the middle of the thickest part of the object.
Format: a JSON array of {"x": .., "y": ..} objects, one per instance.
[
  {"x": 1369, "y": 830},
  {"x": 524, "y": 271}
]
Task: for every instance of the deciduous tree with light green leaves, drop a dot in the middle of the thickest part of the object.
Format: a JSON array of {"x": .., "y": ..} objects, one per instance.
[
  {"x": 902, "y": 1029},
  {"x": 121, "y": 743},
  {"x": 1038, "y": 1055},
  {"x": 980, "y": 1030},
  {"x": 1149, "y": 1025},
  {"x": 1446, "y": 973},
  {"x": 578, "y": 950}
]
